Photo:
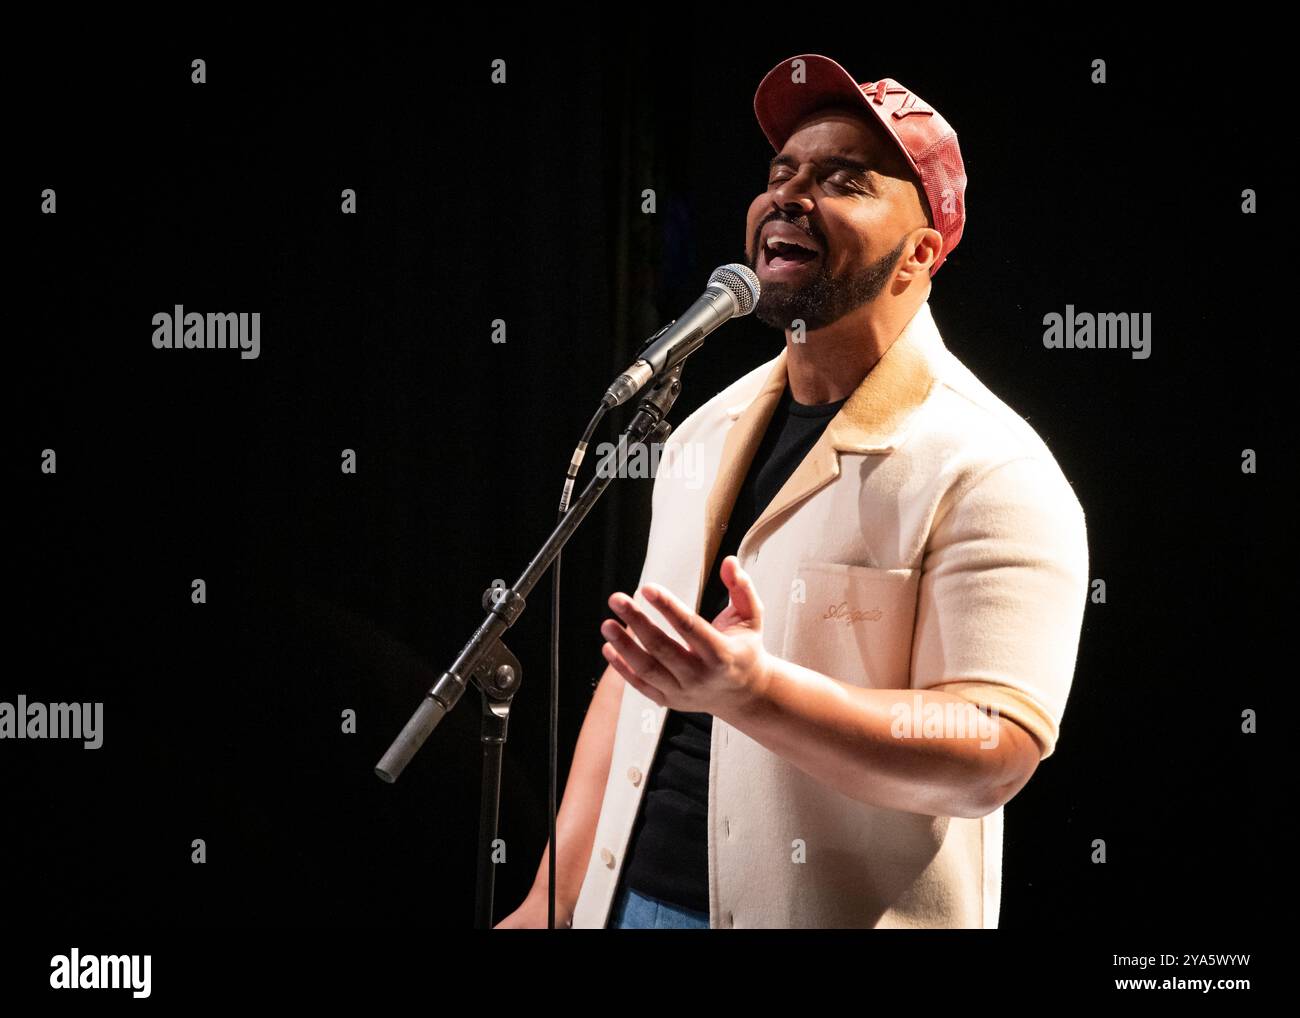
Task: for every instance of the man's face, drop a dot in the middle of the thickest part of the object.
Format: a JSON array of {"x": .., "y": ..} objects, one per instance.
[{"x": 842, "y": 191}]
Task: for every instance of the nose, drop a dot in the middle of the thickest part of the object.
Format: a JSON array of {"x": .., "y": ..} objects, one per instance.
[{"x": 791, "y": 196}]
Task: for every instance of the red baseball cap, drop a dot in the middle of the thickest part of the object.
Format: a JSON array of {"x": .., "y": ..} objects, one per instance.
[{"x": 796, "y": 87}]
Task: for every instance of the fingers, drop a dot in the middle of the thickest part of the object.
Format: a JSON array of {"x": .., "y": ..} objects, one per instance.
[
  {"x": 634, "y": 662},
  {"x": 661, "y": 647},
  {"x": 744, "y": 598},
  {"x": 624, "y": 669},
  {"x": 700, "y": 636}
]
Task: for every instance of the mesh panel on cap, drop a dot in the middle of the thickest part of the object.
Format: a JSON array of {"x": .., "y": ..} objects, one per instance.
[
  {"x": 916, "y": 125},
  {"x": 944, "y": 178}
]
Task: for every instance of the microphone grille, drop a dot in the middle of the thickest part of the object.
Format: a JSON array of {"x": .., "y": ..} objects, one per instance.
[{"x": 742, "y": 284}]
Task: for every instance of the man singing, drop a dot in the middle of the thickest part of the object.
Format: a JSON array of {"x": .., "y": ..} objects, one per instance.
[{"x": 853, "y": 645}]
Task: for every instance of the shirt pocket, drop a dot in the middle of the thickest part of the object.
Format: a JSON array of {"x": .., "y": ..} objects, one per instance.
[{"x": 853, "y": 623}]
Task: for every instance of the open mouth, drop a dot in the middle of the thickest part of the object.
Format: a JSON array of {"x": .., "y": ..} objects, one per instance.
[{"x": 781, "y": 254}]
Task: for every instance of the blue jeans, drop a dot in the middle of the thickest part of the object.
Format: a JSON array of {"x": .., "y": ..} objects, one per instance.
[{"x": 633, "y": 911}]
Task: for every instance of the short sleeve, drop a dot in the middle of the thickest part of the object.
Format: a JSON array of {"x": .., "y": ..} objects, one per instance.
[{"x": 1002, "y": 593}]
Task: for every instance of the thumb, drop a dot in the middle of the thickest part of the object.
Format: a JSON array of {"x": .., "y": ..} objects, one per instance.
[{"x": 740, "y": 585}]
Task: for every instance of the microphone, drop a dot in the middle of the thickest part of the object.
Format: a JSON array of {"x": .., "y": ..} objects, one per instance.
[{"x": 732, "y": 292}]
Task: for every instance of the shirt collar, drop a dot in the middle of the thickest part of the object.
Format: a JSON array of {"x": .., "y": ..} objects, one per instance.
[{"x": 875, "y": 416}]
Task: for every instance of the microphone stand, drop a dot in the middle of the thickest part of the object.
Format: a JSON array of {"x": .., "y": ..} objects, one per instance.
[{"x": 492, "y": 668}]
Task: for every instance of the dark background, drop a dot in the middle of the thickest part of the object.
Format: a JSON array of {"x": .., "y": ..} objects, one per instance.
[{"x": 329, "y": 591}]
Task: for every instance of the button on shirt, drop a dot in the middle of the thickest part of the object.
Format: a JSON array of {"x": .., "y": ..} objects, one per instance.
[{"x": 668, "y": 853}]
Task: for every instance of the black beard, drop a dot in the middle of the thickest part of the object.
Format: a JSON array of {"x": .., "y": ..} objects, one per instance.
[{"x": 823, "y": 299}]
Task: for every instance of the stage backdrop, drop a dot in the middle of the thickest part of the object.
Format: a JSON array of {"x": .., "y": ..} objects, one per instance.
[{"x": 379, "y": 202}]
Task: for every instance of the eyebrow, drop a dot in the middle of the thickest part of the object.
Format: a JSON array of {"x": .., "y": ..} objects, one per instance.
[{"x": 838, "y": 162}]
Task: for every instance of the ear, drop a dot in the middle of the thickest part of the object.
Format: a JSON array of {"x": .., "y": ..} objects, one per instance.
[{"x": 926, "y": 244}]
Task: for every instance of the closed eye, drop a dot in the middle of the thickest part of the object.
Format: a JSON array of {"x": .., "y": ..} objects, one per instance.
[{"x": 842, "y": 178}]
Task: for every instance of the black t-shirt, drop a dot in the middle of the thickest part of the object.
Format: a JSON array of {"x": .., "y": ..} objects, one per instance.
[{"x": 668, "y": 849}]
